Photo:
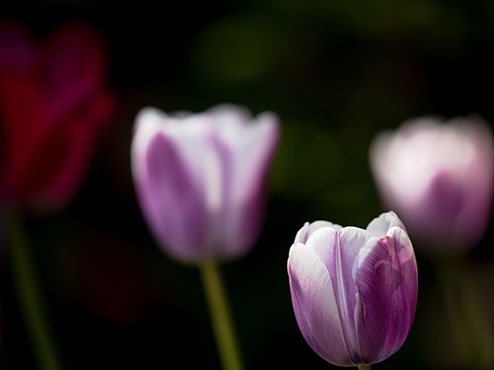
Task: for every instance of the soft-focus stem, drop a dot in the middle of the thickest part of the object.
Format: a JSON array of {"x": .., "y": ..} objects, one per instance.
[
  {"x": 29, "y": 296},
  {"x": 364, "y": 367},
  {"x": 220, "y": 316},
  {"x": 467, "y": 314}
]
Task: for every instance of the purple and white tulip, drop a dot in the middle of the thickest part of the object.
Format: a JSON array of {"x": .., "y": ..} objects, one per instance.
[
  {"x": 439, "y": 178},
  {"x": 354, "y": 291},
  {"x": 200, "y": 178}
]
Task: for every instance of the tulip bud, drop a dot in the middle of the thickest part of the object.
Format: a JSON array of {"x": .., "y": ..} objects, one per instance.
[
  {"x": 354, "y": 291},
  {"x": 438, "y": 177},
  {"x": 200, "y": 179}
]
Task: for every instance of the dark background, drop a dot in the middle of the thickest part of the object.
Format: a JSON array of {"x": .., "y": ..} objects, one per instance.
[{"x": 337, "y": 73}]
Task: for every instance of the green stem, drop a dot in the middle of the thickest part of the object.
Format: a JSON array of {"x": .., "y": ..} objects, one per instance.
[
  {"x": 29, "y": 296},
  {"x": 467, "y": 314},
  {"x": 220, "y": 317},
  {"x": 364, "y": 367},
  {"x": 448, "y": 282}
]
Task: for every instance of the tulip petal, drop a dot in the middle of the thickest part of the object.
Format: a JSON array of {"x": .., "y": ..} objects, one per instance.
[
  {"x": 314, "y": 304},
  {"x": 386, "y": 277},
  {"x": 172, "y": 200},
  {"x": 380, "y": 225},
  {"x": 309, "y": 228},
  {"x": 245, "y": 174},
  {"x": 73, "y": 63},
  {"x": 20, "y": 104},
  {"x": 404, "y": 298},
  {"x": 54, "y": 105},
  {"x": 22, "y": 115},
  {"x": 348, "y": 244},
  {"x": 16, "y": 47},
  {"x": 338, "y": 251},
  {"x": 70, "y": 149},
  {"x": 231, "y": 118}
]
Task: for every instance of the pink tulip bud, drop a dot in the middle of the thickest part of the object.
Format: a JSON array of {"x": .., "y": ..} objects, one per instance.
[
  {"x": 438, "y": 177},
  {"x": 354, "y": 291}
]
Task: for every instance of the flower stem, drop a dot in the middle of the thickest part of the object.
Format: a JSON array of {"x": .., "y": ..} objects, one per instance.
[
  {"x": 364, "y": 367},
  {"x": 220, "y": 316},
  {"x": 29, "y": 296},
  {"x": 467, "y": 313}
]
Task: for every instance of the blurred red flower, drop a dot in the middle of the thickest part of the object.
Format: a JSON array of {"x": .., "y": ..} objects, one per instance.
[{"x": 54, "y": 105}]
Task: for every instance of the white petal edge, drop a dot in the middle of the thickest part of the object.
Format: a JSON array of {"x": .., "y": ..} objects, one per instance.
[{"x": 380, "y": 225}]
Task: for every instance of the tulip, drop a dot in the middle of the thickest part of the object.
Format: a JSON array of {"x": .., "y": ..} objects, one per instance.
[
  {"x": 54, "y": 105},
  {"x": 438, "y": 177},
  {"x": 200, "y": 179},
  {"x": 354, "y": 291}
]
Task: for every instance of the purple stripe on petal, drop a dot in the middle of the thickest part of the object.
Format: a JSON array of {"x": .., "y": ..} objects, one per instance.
[
  {"x": 170, "y": 196},
  {"x": 338, "y": 250},
  {"x": 174, "y": 200},
  {"x": 314, "y": 304},
  {"x": 375, "y": 278},
  {"x": 404, "y": 298},
  {"x": 387, "y": 282}
]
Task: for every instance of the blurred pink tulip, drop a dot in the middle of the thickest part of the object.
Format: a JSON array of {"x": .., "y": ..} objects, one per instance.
[
  {"x": 438, "y": 177},
  {"x": 200, "y": 179}
]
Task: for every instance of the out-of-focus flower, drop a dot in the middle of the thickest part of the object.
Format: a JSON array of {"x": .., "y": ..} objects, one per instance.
[
  {"x": 53, "y": 106},
  {"x": 354, "y": 291},
  {"x": 438, "y": 177},
  {"x": 200, "y": 179}
]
